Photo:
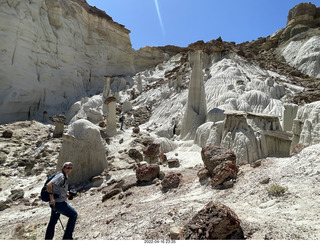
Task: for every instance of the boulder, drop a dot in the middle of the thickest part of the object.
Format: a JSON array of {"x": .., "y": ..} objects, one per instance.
[
  {"x": 126, "y": 106},
  {"x": 16, "y": 194},
  {"x": 111, "y": 193},
  {"x": 166, "y": 145},
  {"x": 214, "y": 222},
  {"x": 147, "y": 172},
  {"x": 173, "y": 163},
  {"x": 151, "y": 153},
  {"x": 136, "y": 155},
  {"x": 212, "y": 156},
  {"x": 7, "y": 134},
  {"x": 88, "y": 155},
  {"x": 203, "y": 174},
  {"x": 303, "y": 13},
  {"x": 163, "y": 157},
  {"x": 225, "y": 171},
  {"x": 4, "y": 205},
  {"x": 136, "y": 130},
  {"x": 171, "y": 180}
]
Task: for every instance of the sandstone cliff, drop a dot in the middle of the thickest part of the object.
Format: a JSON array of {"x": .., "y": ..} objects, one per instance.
[{"x": 53, "y": 52}]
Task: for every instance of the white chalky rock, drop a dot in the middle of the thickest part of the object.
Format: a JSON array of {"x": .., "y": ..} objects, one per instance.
[
  {"x": 196, "y": 109},
  {"x": 83, "y": 146}
]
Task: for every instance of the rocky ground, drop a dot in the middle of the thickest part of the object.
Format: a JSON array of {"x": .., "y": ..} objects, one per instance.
[{"x": 144, "y": 211}]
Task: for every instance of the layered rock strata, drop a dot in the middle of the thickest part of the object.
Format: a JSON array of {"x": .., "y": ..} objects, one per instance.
[
  {"x": 54, "y": 52},
  {"x": 251, "y": 136}
]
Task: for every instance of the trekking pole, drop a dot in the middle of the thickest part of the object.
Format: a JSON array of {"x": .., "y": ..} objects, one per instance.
[
  {"x": 54, "y": 209},
  {"x": 61, "y": 224}
]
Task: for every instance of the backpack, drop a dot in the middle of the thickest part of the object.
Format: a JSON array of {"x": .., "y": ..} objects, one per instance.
[{"x": 44, "y": 194}]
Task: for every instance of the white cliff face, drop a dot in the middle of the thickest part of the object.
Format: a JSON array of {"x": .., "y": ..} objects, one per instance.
[
  {"x": 306, "y": 126},
  {"x": 53, "y": 52},
  {"x": 304, "y": 55}
]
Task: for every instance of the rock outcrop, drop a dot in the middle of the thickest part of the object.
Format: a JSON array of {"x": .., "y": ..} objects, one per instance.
[
  {"x": 83, "y": 146},
  {"x": 251, "y": 136},
  {"x": 304, "y": 13},
  {"x": 306, "y": 125},
  {"x": 54, "y": 52}
]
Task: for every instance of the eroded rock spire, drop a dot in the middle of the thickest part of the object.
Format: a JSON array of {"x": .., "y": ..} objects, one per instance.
[{"x": 196, "y": 110}]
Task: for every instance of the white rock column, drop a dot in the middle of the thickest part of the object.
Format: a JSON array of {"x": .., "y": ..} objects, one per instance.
[
  {"x": 106, "y": 90},
  {"x": 196, "y": 109},
  {"x": 139, "y": 83},
  {"x": 179, "y": 82},
  {"x": 106, "y": 94},
  {"x": 289, "y": 114},
  {"x": 111, "y": 104}
]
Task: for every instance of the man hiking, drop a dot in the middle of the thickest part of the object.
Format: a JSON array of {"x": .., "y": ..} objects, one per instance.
[
  {"x": 58, "y": 192},
  {"x": 121, "y": 121}
]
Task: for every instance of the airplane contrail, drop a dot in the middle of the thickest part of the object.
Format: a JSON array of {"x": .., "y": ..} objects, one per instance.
[{"x": 159, "y": 16}]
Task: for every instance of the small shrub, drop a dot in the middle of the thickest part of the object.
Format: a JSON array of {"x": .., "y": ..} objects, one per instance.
[{"x": 276, "y": 190}]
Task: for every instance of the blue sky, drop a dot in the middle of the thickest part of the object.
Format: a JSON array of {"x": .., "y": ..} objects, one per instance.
[{"x": 181, "y": 22}]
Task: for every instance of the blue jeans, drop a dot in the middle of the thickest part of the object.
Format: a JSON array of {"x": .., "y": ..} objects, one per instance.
[{"x": 67, "y": 210}]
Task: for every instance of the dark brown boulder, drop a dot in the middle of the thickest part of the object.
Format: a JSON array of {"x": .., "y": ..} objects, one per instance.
[
  {"x": 152, "y": 150},
  {"x": 225, "y": 171},
  {"x": 136, "y": 130},
  {"x": 212, "y": 156},
  {"x": 203, "y": 174},
  {"x": 111, "y": 193},
  {"x": 214, "y": 222},
  {"x": 148, "y": 172},
  {"x": 173, "y": 163},
  {"x": 7, "y": 134},
  {"x": 171, "y": 180}
]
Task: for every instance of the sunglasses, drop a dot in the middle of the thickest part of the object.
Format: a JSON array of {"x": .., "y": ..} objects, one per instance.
[{"x": 68, "y": 167}]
